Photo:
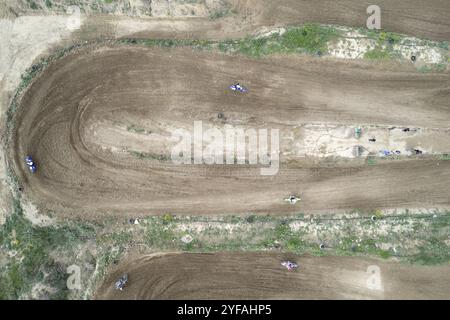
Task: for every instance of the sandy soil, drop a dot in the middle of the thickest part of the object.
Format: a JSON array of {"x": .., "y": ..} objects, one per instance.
[
  {"x": 165, "y": 89},
  {"x": 410, "y": 17},
  {"x": 260, "y": 276},
  {"x": 296, "y": 143}
]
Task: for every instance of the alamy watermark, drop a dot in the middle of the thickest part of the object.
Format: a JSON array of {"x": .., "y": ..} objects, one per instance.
[
  {"x": 74, "y": 19},
  {"x": 74, "y": 280},
  {"x": 374, "y": 20},
  {"x": 373, "y": 282},
  {"x": 228, "y": 146}
]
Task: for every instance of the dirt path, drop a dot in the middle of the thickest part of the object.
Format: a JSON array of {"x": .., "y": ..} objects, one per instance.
[
  {"x": 411, "y": 17},
  {"x": 244, "y": 17},
  {"x": 260, "y": 276},
  {"x": 162, "y": 90}
]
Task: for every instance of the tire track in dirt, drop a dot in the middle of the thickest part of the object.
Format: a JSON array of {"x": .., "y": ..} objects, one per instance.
[
  {"x": 260, "y": 276},
  {"x": 429, "y": 19},
  {"x": 167, "y": 89}
]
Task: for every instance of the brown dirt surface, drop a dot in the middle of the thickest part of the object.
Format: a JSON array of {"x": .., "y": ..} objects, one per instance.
[
  {"x": 78, "y": 173},
  {"x": 261, "y": 276},
  {"x": 243, "y": 17},
  {"x": 410, "y": 17}
]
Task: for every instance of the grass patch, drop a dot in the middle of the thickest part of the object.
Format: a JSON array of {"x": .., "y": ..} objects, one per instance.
[
  {"x": 389, "y": 38},
  {"x": 425, "y": 69},
  {"x": 161, "y": 234},
  {"x": 383, "y": 37},
  {"x": 443, "y": 45},
  {"x": 433, "y": 251},
  {"x": 121, "y": 238},
  {"x": 355, "y": 237},
  {"x": 377, "y": 54},
  {"x": 311, "y": 38},
  {"x": 33, "y": 5},
  {"x": 219, "y": 14},
  {"x": 371, "y": 161},
  {"x": 32, "y": 262},
  {"x": 438, "y": 67},
  {"x": 135, "y": 129},
  {"x": 225, "y": 11},
  {"x": 345, "y": 236},
  {"x": 150, "y": 156},
  {"x": 351, "y": 246}
]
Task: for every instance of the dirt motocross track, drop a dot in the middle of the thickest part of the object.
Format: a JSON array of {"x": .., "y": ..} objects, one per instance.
[
  {"x": 411, "y": 17},
  {"x": 79, "y": 122},
  {"x": 260, "y": 276}
]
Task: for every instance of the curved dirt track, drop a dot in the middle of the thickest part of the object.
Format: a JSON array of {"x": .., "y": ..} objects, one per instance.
[
  {"x": 260, "y": 276},
  {"x": 62, "y": 118}
]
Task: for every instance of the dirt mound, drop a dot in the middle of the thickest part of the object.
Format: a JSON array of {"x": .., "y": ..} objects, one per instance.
[
  {"x": 261, "y": 276},
  {"x": 138, "y": 96}
]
